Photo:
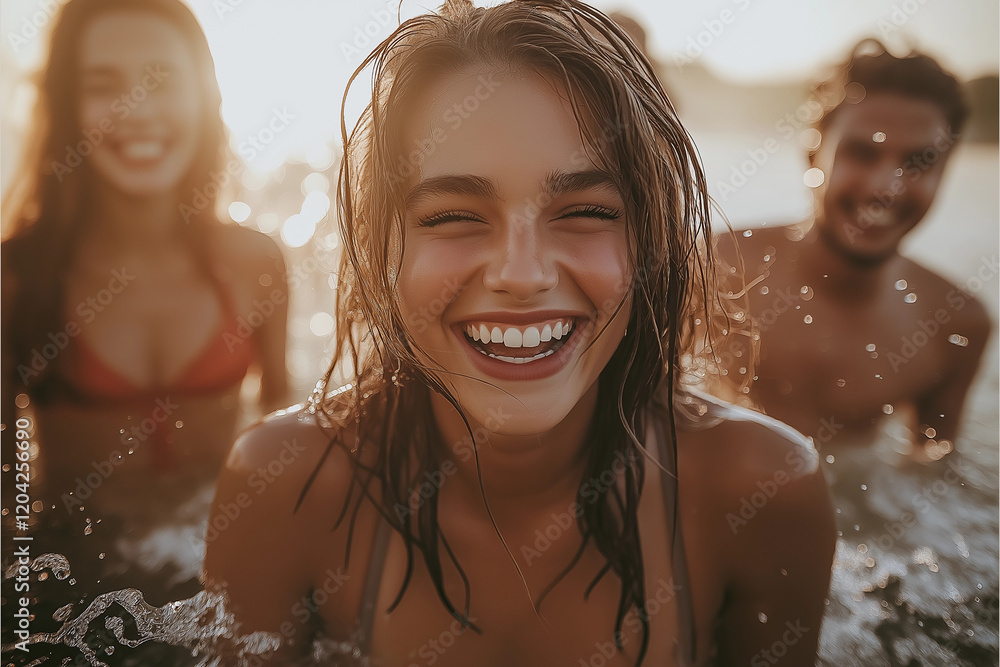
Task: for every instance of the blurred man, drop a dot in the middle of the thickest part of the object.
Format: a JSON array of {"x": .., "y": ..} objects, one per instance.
[{"x": 850, "y": 330}]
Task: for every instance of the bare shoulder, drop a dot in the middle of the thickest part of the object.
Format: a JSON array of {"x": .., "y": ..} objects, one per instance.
[
  {"x": 755, "y": 479},
  {"x": 954, "y": 304},
  {"x": 247, "y": 249},
  {"x": 266, "y": 533},
  {"x": 751, "y": 245},
  {"x": 740, "y": 444},
  {"x": 280, "y": 454},
  {"x": 758, "y": 511}
]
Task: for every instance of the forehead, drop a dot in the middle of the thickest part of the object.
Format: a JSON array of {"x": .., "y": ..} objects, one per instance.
[
  {"x": 903, "y": 120},
  {"x": 510, "y": 127},
  {"x": 131, "y": 38}
]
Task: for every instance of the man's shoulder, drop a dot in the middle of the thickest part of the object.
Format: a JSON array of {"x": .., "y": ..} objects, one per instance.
[
  {"x": 752, "y": 244},
  {"x": 958, "y": 301}
]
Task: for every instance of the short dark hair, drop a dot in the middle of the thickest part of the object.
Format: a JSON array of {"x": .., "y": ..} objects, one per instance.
[{"x": 871, "y": 69}]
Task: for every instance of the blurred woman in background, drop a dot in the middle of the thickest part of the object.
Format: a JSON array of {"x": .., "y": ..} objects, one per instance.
[{"x": 131, "y": 314}]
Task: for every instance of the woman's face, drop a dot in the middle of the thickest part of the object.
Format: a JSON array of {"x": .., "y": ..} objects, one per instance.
[
  {"x": 139, "y": 102},
  {"x": 516, "y": 250}
]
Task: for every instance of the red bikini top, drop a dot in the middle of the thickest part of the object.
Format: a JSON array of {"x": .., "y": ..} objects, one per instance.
[
  {"x": 85, "y": 379},
  {"x": 222, "y": 363}
]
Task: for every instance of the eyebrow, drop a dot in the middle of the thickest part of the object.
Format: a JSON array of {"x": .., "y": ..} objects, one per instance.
[{"x": 556, "y": 183}]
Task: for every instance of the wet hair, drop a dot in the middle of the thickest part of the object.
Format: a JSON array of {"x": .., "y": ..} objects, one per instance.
[
  {"x": 871, "y": 69},
  {"x": 49, "y": 207},
  {"x": 633, "y": 132}
]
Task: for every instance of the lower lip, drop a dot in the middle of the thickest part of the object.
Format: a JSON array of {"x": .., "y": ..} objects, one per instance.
[{"x": 534, "y": 370}]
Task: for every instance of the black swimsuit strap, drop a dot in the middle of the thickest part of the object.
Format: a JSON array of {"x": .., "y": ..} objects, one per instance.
[
  {"x": 373, "y": 581},
  {"x": 685, "y": 600}
]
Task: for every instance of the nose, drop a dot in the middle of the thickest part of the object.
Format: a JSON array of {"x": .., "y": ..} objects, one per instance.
[
  {"x": 885, "y": 180},
  {"x": 520, "y": 265}
]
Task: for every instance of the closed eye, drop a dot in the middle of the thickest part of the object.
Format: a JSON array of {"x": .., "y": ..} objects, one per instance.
[
  {"x": 592, "y": 211},
  {"x": 443, "y": 217}
]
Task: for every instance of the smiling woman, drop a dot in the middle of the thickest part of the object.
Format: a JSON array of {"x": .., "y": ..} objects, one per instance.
[
  {"x": 516, "y": 299},
  {"x": 121, "y": 315}
]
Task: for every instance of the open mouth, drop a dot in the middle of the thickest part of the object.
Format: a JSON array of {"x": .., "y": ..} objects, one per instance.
[
  {"x": 141, "y": 151},
  {"x": 519, "y": 344}
]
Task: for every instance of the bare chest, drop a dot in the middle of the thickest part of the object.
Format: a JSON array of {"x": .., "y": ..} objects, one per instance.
[{"x": 846, "y": 364}]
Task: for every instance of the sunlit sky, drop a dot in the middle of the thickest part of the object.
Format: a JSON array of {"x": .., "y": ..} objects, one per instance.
[{"x": 296, "y": 55}]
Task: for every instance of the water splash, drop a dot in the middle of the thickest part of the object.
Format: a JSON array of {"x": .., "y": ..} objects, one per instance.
[{"x": 201, "y": 624}]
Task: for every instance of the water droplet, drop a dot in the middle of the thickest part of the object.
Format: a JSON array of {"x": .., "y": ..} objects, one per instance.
[
  {"x": 870, "y": 347},
  {"x": 878, "y": 376},
  {"x": 930, "y": 432},
  {"x": 743, "y": 370},
  {"x": 808, "y": 319},
  {"x": 887, "y": 409},
  {"x": 841, "y": 382},
  {"x": 767, "y": 258},
  {"x": 830, "y": 458},
  {"x": 764, "y": 290},
  {"x": 178, "y": 424},
  {"x": 784, "y": 572},
  {"x": 807, "y": 293},
  {"x": 900, "y": 285},
  {"x": 101, "y": 555},
  {"x": 748, "y": 233},
  {"x": 813, "y": 177},
  {"x": 42, "y": 576},
  {"x": 956, "y": 339},
  {"x": 762, "y": 617},
  {"x": 864, "y": 487},
  {"x": 878, "y": 137},
  {"x": 910, "y": 298}
]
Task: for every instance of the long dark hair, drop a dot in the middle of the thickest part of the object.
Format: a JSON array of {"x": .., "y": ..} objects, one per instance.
[
  {"x": 612, "y": 87},
  {"x": 49, "y": 207}
]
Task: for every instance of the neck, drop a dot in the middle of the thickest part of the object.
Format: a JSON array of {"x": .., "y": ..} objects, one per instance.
[
  {"x": 122, "y": 220},
  {"x": 842, "y": 277},
  {"x": 520, "y": 474}
]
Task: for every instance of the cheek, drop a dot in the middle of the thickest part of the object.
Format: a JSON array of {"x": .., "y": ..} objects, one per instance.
[
  {"x": 432, "y": 275},
  {"x": 184, "y": 110},
  {"x": 600, "y": 267},
  {"x": 94, "y": 111},
  {"x": 925, "y": 188}
]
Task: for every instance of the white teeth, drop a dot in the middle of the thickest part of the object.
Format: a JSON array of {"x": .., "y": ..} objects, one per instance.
[
  {"x": 512, "y": 338},
  {"x": 518, "y": 360},
  {"x": 531, "y": 337},
  {"x": 142, "y": 150}
]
